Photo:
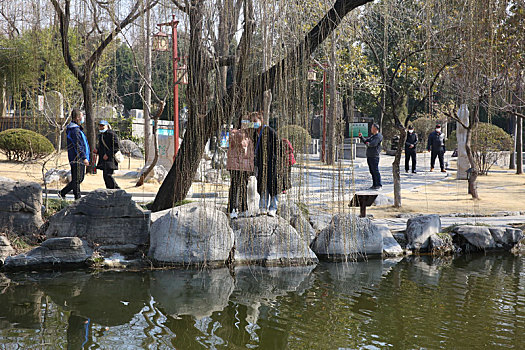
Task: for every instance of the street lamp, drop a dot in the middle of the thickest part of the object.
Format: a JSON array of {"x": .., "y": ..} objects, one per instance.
[
  {"x": 161, "y": 43},
  {"x": 312, "y": 77}
]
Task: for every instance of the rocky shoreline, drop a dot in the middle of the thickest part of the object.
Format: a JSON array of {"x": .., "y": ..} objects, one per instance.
[{"x": 107, "y": 229}]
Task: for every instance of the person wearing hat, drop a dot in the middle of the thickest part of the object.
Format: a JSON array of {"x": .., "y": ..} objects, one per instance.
[
  {"x": 436, "y": 145},
  {"x": 77, "y": 153},
  {"x": 410, "y": 149},
  {"x": 107, "y": 146}
]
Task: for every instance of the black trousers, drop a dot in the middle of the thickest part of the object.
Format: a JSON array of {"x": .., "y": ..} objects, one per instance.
[
  {"x": 410, "y": 153},
  {"x": 440, "y": 154},
  {"x": 373, "y": 166},
  {"x": 237, "y": 196},
  {"x": 110, "y": 182},
  {"x": 78, "y": 170}
]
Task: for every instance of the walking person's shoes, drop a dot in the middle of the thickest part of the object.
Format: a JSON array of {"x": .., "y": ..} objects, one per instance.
[
  {"x": 262, "y": 212},
  {"x": 376, "y": 188},
  {"x": 61, "y": 196},
  {"x": 272, "y": 213},
  {"x": 414, "y": 172},
  {"x": 431, "y": 169},
  {"x": 443, "y": 171}
]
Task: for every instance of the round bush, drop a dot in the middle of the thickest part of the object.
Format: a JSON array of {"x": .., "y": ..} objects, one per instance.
[
  {"x": 489, "y": 143},
  {"x": 298, "y": 137},
  {"x": 23, "y": 145}
]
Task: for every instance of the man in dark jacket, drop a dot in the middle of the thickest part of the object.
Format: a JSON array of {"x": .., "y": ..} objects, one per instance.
[
  {"x": 267, "y": 166},
  {"x": 107, "y": 146},
  {"x": 410, "y": 149},
  {"x": 77, "y": 153},
  {"x": 436, "y": 145},
  {"x": 373, "y": 149}
]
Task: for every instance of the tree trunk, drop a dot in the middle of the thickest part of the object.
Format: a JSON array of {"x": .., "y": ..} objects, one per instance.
[
  {"x": 202, "y": 125},
  {"x": 519, "y": 146},
  {"x": 395, "y": 168},
  {"x": 147, "y": 77},
  {"x": 472, "y": 181},
  {"x": 332, "y": 111},
  {"x": 89, "y": 127},
  {"x": 145, "y": 173},
  {"x": 512, "y": 162}
]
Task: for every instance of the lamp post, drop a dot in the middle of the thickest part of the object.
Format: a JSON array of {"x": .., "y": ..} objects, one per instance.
[
  {"x": 312, "y": 77},
  {"x": 161, "y": 43}
]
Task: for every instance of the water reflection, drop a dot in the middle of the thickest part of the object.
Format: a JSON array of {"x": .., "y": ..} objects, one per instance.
[{"x": 472, "y": 301}]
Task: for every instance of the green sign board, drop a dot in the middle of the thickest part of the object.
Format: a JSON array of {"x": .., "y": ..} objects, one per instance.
[{"x": 356, "y": 128}]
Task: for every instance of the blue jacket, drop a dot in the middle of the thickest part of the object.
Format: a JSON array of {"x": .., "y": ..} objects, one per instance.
[{"x": 77, "y": 144}]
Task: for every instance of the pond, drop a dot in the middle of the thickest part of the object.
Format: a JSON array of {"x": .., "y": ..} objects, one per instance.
[{"x": 416, "y": 302}]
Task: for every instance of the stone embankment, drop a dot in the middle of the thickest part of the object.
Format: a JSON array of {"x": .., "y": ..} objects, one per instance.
[{"x": 107, "y": 228}]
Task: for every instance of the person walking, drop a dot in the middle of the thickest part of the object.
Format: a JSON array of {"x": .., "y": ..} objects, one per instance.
[
  {"x": 436, "y": 145},
  {"x": 373, "y": 149},
  {"x": 77, "y": 154},
  {"x": 267, "y": 166},
  {"x": 240, "y": 164},
  {"x": 107, "y": 146},
  {"x": 410, "y": 149}
]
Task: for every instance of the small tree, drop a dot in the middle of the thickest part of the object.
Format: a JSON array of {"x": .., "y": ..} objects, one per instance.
[{"x": 488, "y": 144}]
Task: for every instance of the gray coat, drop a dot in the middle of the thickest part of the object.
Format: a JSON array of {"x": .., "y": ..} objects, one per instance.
[{"x": 373, "y": 145}]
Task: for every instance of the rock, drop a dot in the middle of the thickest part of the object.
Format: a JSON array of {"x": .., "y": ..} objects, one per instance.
[
  {"x": 158, "y": 173},
  {"x": 108, "y": 220},
  {"x": 20, "y": 207},
  {"x": 419, "y": 230},
  {"x": 320, "y": 220},
  {"x": 506, "y": 236},
  {"x": 127, "y": 174},
  {"x": 382, "y": 200},
  {"x": 191, "y": 234},
  {"x": 53, "y": 252},
  {"x": 198, "y": 293},
  {"x": 347, "y": 237},
  {"x": 400, "y": 238},
  {"x": 5, "y": 249},
  {"x": 298, "y": 219},
  {"x": 130, "y": 149},
  {"x": 270, "y": 241},
  {"x": 390, "y": 245},
  {"x": 441, "y": 244},
  {"x": 57, "y": 175},
  {"x": 519, "y": 248},
  {"x": 407, "y": 215},
  {"x": 475, "y": 237}
]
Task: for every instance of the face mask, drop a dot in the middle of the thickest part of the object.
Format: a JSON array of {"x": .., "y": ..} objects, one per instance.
[
  {"x": 256, "y": 125},
  {"x": 82, "y": 120},
  {"x": 438, "y": 129},
  {"x": 102, "y": 130},
  {"x": 410, "y": 131}
]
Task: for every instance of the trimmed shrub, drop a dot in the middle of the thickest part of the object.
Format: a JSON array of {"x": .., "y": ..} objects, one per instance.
[
  {"x": 23, "y": 145},
  {"x": 488, "y": 145},
  {"x": 298, "y": 136}
]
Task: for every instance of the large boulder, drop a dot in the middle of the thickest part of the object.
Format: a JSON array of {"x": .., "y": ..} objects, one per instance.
[
  {"x": 191, "y": 234},
  {"x": 483, "y": 237},
  {"x": 441, "y": 244},
  {"x": 54, "y": 252},
  {"x": 270, "y": 241},
  {"x": 390, "y": 246},
  {"x": 298, "y": 219},
  {"x": 348, "y": 237},
  {"x": 5, "y": 249},
  {"x": 130, "y": 149},
  {"x": 158, "y": 173},
  {"x": 419, "y": 229},
  {"x": 20, "y": 207},
  {"x": 108, "y": 220},
  {"x": 57, "y": 175}
]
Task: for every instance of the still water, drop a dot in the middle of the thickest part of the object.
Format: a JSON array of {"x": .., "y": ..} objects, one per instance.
[{"x": 467, "y": 303}]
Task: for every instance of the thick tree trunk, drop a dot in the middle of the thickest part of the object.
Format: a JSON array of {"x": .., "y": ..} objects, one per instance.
[
  {"x": 202, "y": 125},
  {"x": 89, "y": 126},
  {"x": 519, "y": 146},
  {"x": 395, "y": 168}
]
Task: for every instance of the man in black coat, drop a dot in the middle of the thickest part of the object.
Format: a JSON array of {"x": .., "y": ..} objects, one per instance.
[
  {"x": 373, "y": 149},
  {"x": 436, "y": 145},
  {"x": 267, "y": 166},
  {"x": 410, "y": 149},
  {"x": 107, "y": 146}
]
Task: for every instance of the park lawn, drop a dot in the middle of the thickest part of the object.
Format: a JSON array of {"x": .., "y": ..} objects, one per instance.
[{"x": 501, "y": 190}]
